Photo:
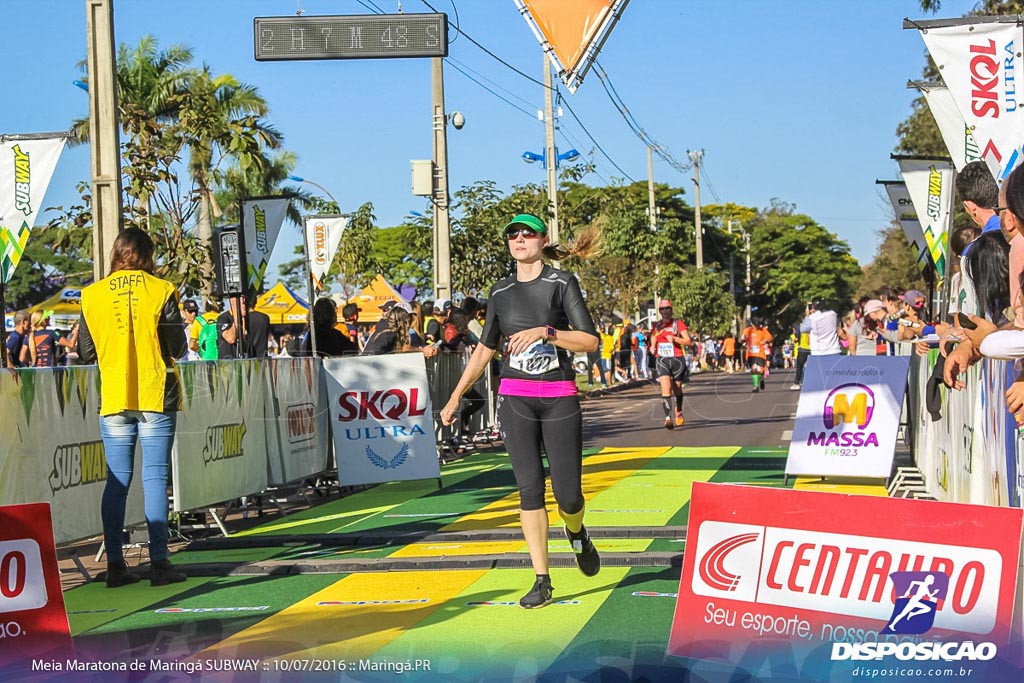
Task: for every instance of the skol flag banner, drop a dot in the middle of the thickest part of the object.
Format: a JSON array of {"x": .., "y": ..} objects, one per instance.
[
  {"x": 323, "y": 234},
  {"x": 980, "y": 63},
  {"x": 903, "y": 207},
  {"x": 930, "y": 184},
  {"x": 784, "y": 585},
  {"x": 571, "y": 33},
  {"x": 960, "y": 142},
  {"x": 26, "y": 165},
  {"x": 261, "y": 219},
  {"x": 848, "y": 416}
]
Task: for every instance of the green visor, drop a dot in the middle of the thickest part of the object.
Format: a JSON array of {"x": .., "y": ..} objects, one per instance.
[{"x": 530, "y": 221}]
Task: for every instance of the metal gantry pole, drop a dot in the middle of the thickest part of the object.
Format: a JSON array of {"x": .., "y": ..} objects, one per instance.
[
  {"x": 104, "y": 140},
  {"x": 442, "y": 223}
]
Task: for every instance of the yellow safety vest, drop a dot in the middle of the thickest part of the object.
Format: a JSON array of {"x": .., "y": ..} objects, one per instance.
[{"x": 123, "y": 312}]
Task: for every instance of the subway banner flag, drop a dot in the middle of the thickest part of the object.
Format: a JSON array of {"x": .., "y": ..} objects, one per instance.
[
  {"x": 26, "y": 165},
  {"x": 262, "y": 218},
  {"x": 782, "y": 584},
  {"x": 848, "y": 416}
]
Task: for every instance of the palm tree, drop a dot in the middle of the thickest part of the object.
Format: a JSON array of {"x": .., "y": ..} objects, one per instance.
[{"x": 221, "y": 120}]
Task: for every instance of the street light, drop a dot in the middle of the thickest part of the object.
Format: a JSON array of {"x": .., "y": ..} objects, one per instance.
[
  {"x": 323, "y": 189},
  {"x": 531, "y": 157}
]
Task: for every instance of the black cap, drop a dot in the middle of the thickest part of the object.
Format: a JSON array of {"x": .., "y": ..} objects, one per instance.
[{"x": 190, "y": 306}]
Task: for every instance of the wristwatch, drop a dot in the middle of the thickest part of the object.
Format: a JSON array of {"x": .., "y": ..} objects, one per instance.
[{"x": 550, "y": 334}]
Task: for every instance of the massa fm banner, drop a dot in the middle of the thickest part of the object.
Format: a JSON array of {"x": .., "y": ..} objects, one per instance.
[
  {"x": 381, "y": 418},
  {"x": 848, "y": 416},
  {"x": 26, "y": 165},
  {"x": 827, "y": 586}
]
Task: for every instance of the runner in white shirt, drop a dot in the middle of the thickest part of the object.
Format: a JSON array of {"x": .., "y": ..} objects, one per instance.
[{"x": 823, "y": 327}]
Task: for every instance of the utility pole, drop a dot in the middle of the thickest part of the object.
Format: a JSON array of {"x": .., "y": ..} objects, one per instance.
[
  {"x": 652, "y": 209},
  {"x": 550, "y": 156},
  {"x": 652, "y": 212},
  {"x": 442, "y": 224},
  {"x": 105, "y": 152},
  {"x": 696, "y": 156}
]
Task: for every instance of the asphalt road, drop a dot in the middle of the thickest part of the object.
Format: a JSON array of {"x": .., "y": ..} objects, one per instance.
[{"x": 719, "y": 408}]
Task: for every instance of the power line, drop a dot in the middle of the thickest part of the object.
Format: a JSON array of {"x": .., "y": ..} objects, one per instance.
[
  {"x": 707, "y": 182},
  {"x": 596, "y": 143},
  {"x": 633, "y": 124},
  {"x": 374, "y": 9},
  {"x": 456, "y": 62},
  {"x": 498, "y": 95}
]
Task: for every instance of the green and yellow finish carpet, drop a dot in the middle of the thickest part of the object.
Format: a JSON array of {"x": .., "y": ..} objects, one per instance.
[{"x": 409, "y": 575}]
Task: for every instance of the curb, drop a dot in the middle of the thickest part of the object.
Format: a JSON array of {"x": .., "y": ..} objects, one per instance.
[{"x": 603, "y": 391}]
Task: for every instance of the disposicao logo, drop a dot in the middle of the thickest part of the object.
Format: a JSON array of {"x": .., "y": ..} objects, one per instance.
[{"x": 919, "y": 596}]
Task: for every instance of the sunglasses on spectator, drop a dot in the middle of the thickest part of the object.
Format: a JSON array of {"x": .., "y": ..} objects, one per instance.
[{"x": 527, "y": 233}]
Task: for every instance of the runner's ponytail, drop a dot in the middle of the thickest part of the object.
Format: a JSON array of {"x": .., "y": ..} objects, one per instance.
[{"x": 589, "y": 243}]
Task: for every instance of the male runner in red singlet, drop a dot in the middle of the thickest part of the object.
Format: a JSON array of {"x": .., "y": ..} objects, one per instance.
[{"x": 668, "y": 337}]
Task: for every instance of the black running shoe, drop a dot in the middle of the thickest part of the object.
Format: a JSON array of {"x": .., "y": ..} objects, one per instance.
[
  {"x": 587, "y": 558},
  {"x": 540, "y": 595}
]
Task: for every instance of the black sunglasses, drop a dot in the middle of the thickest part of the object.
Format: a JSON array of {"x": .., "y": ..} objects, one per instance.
[{"x": 527, "y": 233}]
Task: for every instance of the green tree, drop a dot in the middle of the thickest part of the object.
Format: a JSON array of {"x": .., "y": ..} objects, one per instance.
[
  {"x": 894, "y": 265},
  {"x": 794, "y": 260},
  {"x": 702, "y": 299}
]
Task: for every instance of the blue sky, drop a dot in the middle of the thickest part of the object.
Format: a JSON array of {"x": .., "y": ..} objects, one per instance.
[{"x": 794, "y": 99}]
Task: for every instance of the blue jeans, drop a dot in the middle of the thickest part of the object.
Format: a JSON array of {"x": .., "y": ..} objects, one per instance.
[{"x": 156, "y": 432}]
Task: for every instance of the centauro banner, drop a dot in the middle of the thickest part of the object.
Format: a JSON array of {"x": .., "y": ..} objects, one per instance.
[
  {"x": 930, "y": 184},
  {"x": 323, "y": 234},
  {"x": 572, "y": 33},
  {"x": 903, "y": 207},
  {"x": 381, "y": 418},
  {"x": 262, "y": 219},
  {"x": 836, "y": 587},
  {"x": 848, "y": 416},
  {"x": 980, "y": 63},
  {"x": 960, "y": 142},
  {"x": 26, "y": 165}
]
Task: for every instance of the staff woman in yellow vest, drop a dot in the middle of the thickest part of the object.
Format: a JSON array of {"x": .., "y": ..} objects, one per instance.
[{"x": 132, "y": 327}]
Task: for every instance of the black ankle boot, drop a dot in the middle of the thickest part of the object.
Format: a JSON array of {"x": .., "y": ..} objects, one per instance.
[
  {"x": 119, "y": 575},
  {"x": 162, "y": 572}
]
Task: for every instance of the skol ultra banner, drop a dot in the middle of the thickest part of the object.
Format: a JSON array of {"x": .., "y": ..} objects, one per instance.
[
  {"x": 33, "y": 621},
  {"x": 381, "y": 418},
  {"x": 980, "y": 63},
  {"x": 903, "y": 207},
  {"x": 571, "y": 32},
  {"x": 55, "y": 454},
  {"x": 963, "y": 148},
  {"x": 262, "y": 219},
  {"x": 781, "y": 584},
  {"x": 220, "y": 444},
  {"x": 26, "y": 165},
  {"x": 930, "y": 184},
  {"x": 323, "y": 234},
  {"x": 848, "y": 416}
]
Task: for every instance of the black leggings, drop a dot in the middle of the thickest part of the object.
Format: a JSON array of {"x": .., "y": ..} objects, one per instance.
[
  {"x": 526, "y": 424},
  {"x": 801, "y": 360}
]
